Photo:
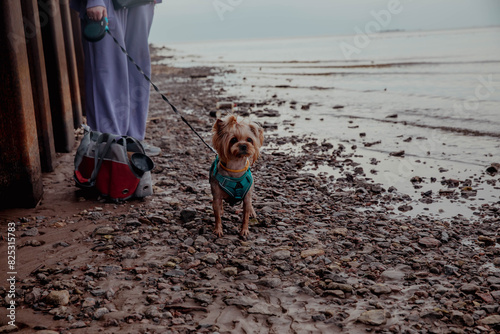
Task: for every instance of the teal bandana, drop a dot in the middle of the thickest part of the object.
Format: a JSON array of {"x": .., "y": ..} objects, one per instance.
[{"x": 236, "y": 187}]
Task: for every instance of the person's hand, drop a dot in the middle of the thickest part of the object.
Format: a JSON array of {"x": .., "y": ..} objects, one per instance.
[{"x": 97, "y": 13}]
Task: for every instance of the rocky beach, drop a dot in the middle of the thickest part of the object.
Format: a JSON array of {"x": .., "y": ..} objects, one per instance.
[{"x": 329, "y": 252}]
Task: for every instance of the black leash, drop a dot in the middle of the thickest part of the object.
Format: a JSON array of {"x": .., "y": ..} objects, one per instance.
[{"x": 156, "y": 89}]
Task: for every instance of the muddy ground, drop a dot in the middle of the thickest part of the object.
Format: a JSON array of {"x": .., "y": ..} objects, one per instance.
[{"x": 325, "y": 254}]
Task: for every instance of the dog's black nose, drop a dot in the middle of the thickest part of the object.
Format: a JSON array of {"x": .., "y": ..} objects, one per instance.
[{"x": 243, "y": 147}]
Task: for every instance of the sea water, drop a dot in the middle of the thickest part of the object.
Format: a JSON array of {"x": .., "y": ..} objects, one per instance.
[{"x": 433, "y": 94}]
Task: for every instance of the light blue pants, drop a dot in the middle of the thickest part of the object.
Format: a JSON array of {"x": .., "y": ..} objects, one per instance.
[{"x": 117, "y": 95}]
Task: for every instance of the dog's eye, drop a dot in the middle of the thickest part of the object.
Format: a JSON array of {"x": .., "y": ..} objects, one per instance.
[
  {"x": 250, "y": 140},
  {"x": 233, "y": 140}
]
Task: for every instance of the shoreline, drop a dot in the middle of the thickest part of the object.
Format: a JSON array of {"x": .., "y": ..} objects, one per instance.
[{"x": 324, "y": 255}]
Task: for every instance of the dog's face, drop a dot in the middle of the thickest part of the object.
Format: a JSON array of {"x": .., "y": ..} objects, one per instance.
[{"x": 233, "y": 139}]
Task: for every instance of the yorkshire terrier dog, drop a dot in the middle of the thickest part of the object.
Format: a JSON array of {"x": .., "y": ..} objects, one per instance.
[{"x": 237, "y": 144}]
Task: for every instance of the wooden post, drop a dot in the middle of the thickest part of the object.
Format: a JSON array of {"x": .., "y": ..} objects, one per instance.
[
  {"x": 80, "y": 59},
  {"x": 20, "y": 172},
  {"x": 70, "y": 57},
  {"x": 57, "y": 74},
  {"x": 39, "y": 88}
]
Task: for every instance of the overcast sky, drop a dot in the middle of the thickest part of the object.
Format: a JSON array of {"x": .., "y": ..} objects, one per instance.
[{"x": 201, "y": 20}]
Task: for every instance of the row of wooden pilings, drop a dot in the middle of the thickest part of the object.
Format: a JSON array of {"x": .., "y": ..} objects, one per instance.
[{"x": 41, "y": 93}]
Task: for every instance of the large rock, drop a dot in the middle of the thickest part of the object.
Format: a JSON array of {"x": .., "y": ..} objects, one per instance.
[{"x": 58, "y": 298}]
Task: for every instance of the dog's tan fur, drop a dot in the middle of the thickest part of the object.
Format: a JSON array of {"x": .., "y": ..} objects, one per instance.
[{"x": 235, "y": 142}]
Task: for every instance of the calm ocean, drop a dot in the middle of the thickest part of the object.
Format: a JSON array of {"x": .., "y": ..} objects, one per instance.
[{"x": 433, "y": 94}]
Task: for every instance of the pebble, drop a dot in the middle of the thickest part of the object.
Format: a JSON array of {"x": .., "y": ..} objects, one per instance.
[
  {"x": 152, "y": 312},
  {"x": 58, "y": 298},
  {"x": 312, "y": 252},
  {"x": 230, "y": 271},
  {"x": 429, "y": 242},
  {"x": 100, "y": 312},
  {"x": 469, "y": 288},
  {"x": 374, "y": 317},
  {"x": 380, "y": 289},
  {"x": 280, "y": 255},
  {"x": 30, "y": 232}
]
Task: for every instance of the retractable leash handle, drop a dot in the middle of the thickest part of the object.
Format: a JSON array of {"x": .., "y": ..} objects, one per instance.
[{"x": 94, "y": 31}]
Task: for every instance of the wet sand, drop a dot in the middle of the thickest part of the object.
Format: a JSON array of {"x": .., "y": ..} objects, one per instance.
[{"x": 333, "y": 249}]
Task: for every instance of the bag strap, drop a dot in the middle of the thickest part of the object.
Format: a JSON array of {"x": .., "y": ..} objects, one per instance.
[
  {"x": 100, "y": 153},
  {"x": 132, "y": 140},
  {"x": 80, "y": 152}
]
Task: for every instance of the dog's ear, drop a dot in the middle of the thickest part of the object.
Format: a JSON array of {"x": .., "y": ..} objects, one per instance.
[
  {"x": 258, "y": 131},
  {"x": 218, "y": 126}
]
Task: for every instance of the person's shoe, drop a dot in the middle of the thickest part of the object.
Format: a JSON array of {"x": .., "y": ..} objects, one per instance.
[{"x": 151, "y": 150}]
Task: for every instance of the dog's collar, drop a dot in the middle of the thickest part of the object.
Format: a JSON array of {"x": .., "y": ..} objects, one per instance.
[{"x": 235, "y": 170}]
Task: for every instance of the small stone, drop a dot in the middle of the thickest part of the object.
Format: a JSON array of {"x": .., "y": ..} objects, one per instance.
[
  {"x": 318, "y": 317},
  {"x": 491, "y": 320},
  {"x": 58, "y": 298},
  {"x": 488, "y": 241},
  {"x": 104, "y": 230},
  {"x": 392, "y": 275},
  {"x": 405, "y": 208},
  {"x": 429, "y": 242},
  {"x": 265, "y": 309},
  {"x": 211, "y": 258},
  {"x": 469, "y": 288},
  {"x": 272, "y": 282},
  {"x": 340, "y": 231},
  {"x": 152, "y": 312},
  {"x": 241, "y": 301},
  {"x": 100, "y": 312},
  {"x": 203, "y": 298},
  {"x": 188, "y": 215},
  {"x": 496, "y": 295},
  {"x": 281, "y": 255},
  {"x": 230, "y": 271},
  {"x": 60, "y": 311},
  {"x": 30, "y": 232},
  {"x": 468, "y": 320},
  {"x": 124, "y": 241},
  {"x": 9, "y": 329},
  {"x": 88, "y": 302},
  {"x": 486, "y": 297},
  {"x": 312, "y": 252},
  {"x": 336, "y": 293},
  {"x": 397, "y": 154},
  {"x": 440, "y": 289},
  {"x": 78, "y": 324},
  {"x": 141, "y": 270},
  {"x": 450, "y": 270},
  {"x": 374, "y": 317},
  {"x": 380, "y": 289}
]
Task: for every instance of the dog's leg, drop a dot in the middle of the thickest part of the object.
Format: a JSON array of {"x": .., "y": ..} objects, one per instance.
[
  {"x": 217, "y": 206},
  {"x": 247, "y": 211}
]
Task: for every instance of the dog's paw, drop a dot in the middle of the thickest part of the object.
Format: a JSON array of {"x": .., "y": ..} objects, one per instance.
[
  {"x": 218, "y": 232},
  {"x": 244, "y": 232}
]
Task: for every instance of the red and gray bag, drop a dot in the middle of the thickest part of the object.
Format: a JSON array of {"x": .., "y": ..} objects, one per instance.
[{"x": 116, "y": 166}]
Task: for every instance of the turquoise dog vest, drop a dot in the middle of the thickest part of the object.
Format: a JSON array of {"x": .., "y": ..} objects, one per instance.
[{"x": 235, "y": 187}]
